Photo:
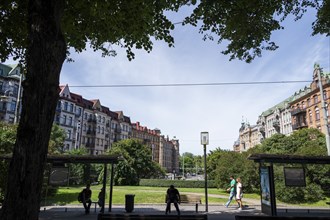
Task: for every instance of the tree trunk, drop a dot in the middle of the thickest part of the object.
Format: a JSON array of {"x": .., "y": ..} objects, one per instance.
[{"x": 45, "y": 55}]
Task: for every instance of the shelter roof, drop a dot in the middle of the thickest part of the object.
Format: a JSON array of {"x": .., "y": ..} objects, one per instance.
[
  {"x": 277, "y": 158},
  {"x": 113, "y": 159}
]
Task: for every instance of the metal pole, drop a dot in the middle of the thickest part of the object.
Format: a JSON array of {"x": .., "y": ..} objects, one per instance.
[
  {"x": 324, "y": 110},
  {"x": 183, "y": 165},
  {"x": 205, "y": 179},
  {"x": 18, "y": 99},
  {"x": 111, "y": 187},
  {"x": 104, "y": 186}
]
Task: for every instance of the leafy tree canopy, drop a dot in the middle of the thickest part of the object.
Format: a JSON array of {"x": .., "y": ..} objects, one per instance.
[
  {"x": 245, "y": 25},
  {"x": 137, "y": 163}
]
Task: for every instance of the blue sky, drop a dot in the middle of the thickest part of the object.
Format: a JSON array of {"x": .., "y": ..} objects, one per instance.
[{"x": 186, "y": 111}]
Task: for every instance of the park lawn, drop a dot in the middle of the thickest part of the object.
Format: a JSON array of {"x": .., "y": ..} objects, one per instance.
[
  {"x": 143, "y": 194},
  {"x": 147, "y": 195}
]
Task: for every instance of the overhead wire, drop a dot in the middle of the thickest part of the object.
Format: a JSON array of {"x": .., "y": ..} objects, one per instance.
[{"x": 191, "y": 84}]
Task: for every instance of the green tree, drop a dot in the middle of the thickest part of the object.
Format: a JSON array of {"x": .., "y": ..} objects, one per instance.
[
  {"x": 223, "y": 164},
  {"x": 40, "y": 33},
  {"x": 57, "y": 138},
  {"x": 7, "y": 140},
  {"x": 136, "y": 163},
  {"x": 308, "y": 141}
]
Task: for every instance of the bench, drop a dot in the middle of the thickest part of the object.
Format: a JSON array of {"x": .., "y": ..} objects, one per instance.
[
  {"x": 102, "y": 216},
  {"x": 95, "y": 204},
  {"x": 190, "y": 198}
]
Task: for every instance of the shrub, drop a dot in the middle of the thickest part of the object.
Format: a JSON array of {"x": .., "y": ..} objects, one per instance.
[{"x": 177, "y": 183}]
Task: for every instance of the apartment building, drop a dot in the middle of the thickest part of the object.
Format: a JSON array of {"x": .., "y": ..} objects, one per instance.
[
  {"x": 169, "y": 154},
  {"x": 301, "y": 110},
  {"x": 276, "y": 120},
  {"x": 88, "y": 123},
  {"x": 165, "y": 151},
  {"x": 150, "y": 137},
  {"x": 306, "y": 105},
  {"x": 10, "y": 92},
  {"x": 249, "y": 136}
]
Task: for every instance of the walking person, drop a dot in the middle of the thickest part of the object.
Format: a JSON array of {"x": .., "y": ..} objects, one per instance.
[
  {"x": 239, "y": 193},
  {"x": 86, "y": 198},
  {"x": 172, "y": 196},
  {"x": 231, "y": 190}
]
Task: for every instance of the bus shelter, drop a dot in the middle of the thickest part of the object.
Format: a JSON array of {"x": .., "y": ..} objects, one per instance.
[
  {"x": 85, "y": 159},
  {"x": 294, "y": 176}
]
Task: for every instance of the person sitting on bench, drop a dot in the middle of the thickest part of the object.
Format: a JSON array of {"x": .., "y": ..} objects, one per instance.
[{"x": 86, "y": 198}]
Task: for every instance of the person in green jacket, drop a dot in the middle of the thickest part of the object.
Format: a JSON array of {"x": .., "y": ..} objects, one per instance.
[{"x": 231, "y": 190}]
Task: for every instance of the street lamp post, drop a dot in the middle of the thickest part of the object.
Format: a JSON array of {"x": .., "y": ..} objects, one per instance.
[{"x": 204, "y": 142}]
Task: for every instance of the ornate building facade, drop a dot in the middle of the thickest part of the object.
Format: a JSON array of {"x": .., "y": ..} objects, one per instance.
[
  {"x": 301, "y": 110},
  {"x": 306, "y": 106},
  {"x": 10, "y": 92}
]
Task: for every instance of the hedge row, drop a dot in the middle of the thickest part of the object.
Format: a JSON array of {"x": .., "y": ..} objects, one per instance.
[{"x": 177, "y": 183}]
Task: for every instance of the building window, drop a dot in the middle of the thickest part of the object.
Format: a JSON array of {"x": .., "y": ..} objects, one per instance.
[
  {"x": 310, "y": 117},
  {"x": 317, "y": 113},
  {"x": 324, "y": 94},
  {"x": 71, "y": 108},
  {"x": 316, "y": 99},
  {"x": 65, "y": 106},
  {"x": 64, "y": 120},
  {"x": 309, "y": 102},
  {"x": 78, "y": 111},
  {"x": 70, "y": 121},
  {"x": 85, "y": 115},
  {"x": 69, "y": 134},
  {"x": 102, "y": 130},
  {"x": 303, "y": 105},
  {"x": 98, "y": 129}
]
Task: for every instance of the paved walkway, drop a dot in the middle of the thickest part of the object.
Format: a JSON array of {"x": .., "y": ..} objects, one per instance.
[{"x": 77, "y": 212}]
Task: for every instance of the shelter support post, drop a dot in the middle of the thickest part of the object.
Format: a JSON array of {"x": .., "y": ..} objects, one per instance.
[
  {"x": 104, "y": 185},
  {"x": 111, "y": 187}
]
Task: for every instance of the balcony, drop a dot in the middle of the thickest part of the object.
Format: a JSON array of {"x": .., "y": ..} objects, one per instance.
[
  {"x": 91, "y": 132},
  {"x": 298, "y": 111},
  {"x": 91, "y": 120},
  {"x": 118, "y": 129},
  {"x": 276, "y": 124},
  {"x": 90, "y": 145},
  {"x": 299, "y": 126}
]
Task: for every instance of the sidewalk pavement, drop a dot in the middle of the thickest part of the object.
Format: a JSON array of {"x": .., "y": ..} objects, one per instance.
[
  {"x": 214, "y": 211},
  {"x": 77, "y": 212}
]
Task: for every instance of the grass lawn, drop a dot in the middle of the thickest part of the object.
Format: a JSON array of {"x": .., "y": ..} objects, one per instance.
[
  {"x": 148, "y": 195},
  {"x": 143, "y": 195}
]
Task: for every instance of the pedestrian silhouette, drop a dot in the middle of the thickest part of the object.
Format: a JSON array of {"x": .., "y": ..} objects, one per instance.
[{"x": 172, "y": 196}]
